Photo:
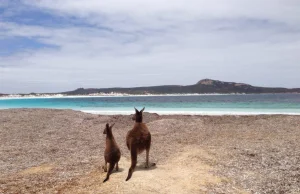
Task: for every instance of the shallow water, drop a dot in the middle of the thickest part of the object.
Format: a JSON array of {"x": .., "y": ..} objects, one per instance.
[{"x": 195, "y": 104}]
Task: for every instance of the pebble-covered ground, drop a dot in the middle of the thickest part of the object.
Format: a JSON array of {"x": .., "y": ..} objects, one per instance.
[{"x": 61, "y": 151}]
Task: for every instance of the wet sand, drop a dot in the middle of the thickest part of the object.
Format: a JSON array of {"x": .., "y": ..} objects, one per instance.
[{"x": 61, "y": 151}]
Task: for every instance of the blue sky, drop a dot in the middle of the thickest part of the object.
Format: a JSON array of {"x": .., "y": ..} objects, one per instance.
[{"x": 54, "y": 45}]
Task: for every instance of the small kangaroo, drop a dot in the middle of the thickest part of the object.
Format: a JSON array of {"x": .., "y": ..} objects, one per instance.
[
  {"x": 138, "y": 139},
  {"x": 112, "y": 153}
]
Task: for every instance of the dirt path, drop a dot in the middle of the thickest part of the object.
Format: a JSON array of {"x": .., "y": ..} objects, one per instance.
[{"x": 191, "y": 171}]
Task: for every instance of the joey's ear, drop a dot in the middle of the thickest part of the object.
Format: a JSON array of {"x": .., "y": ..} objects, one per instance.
[
  {"x": 107, "y": 125},
  {"x": 142, "y": 110},
  {"x": 112, "y": 125}
]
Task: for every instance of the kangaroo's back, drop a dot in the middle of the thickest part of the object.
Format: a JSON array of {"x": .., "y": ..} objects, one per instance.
[{"x": 139, "y": 137}]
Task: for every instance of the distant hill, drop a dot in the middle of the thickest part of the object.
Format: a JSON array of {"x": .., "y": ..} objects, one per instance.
[{"x": 203, "y": 86}]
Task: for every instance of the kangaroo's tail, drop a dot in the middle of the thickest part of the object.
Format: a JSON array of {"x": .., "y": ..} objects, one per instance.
[
  {"x": 133, "y": 152},
  {"x": 110, "y": 169}
]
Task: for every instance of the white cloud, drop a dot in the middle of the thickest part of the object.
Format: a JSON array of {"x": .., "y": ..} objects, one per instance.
[
  {"x": 279, "y": 10},
  {"x": 135, "y": 43}
]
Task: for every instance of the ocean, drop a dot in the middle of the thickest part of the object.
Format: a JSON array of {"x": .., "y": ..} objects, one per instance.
[{"x": 235, "y": 104}]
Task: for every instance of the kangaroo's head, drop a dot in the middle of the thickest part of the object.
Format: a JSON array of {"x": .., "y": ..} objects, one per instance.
[
  {"x": 108, "y": 128},
  {"x": 138, "y": 116}
]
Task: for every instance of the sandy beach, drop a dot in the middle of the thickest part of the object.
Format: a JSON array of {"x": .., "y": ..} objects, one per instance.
[{"x": 61, "y": 151}]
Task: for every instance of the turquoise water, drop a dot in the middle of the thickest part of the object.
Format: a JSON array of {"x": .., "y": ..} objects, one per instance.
[{"x": 200, "y": 104}]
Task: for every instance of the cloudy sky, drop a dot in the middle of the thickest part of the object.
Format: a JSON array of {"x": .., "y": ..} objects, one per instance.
[{"x": 55, "y": 45}]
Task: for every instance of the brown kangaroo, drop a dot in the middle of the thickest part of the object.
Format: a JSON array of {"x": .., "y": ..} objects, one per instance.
[
  {"x": 112, "y": 153},
  {"x": 138, "y": 139}
]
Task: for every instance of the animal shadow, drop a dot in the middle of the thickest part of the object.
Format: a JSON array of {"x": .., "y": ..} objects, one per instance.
[
  {"x": 141, "y": 167},
  {"x": 114, "y": 171}
]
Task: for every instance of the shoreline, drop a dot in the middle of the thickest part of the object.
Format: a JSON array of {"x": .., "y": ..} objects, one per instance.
[
  {"x": 191, "y": 113},
  {"x": 167, "y": 113}
]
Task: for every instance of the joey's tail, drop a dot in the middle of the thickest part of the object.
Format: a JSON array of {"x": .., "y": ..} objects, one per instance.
[{"x": 111, "y": 167}]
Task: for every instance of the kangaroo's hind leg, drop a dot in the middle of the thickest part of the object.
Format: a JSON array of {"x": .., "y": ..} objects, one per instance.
[
  {"x": 105, "y": 166},
  {"x": 117, "y": 167},
  {"x": 147, "y": 158},
  {"x": 148, "y": 144}
]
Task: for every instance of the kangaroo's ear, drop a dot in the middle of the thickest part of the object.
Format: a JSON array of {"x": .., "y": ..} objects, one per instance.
[
  {"x": 142, "y": 110},
  {"x": 136, "y": 110},
  {"x": 112, "y": 125},
  {"x": 107, "y": 125}
]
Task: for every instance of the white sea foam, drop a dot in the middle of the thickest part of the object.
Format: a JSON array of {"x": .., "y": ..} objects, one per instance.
[
  {"x": 108, "y": 95},
  {"x": 120, "y": 112}
]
